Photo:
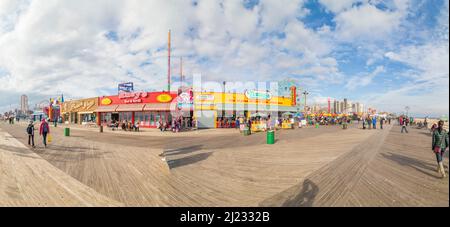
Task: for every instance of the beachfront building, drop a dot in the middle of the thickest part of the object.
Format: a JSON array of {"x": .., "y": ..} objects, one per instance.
[
  {"x": 80, "y": 111},
  {"x": 144, "y": 108},
  {"x": 218, "y": 109}
]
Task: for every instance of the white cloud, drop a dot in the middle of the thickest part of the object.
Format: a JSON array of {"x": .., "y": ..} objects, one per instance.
[
  {"x": 276, "y": 14},
  {"x": 362, "y": 81},
  {"x": 366, "y": 22}
]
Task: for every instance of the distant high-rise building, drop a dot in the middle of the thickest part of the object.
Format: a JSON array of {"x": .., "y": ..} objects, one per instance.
[
  {"x": 341, "y": 107},
  {"x": 24, "y": 104},
  {"x": 345, "y": 110},
  {"x": 335, "y": 106}
]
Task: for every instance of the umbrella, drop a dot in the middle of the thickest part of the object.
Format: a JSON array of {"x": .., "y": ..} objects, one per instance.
[
  {"x": 287, "y": 114},
  {"x": 258, "y": 115}
]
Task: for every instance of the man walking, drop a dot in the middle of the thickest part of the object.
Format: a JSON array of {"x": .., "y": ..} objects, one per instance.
[
  {"x": 403, "y": 124},
  {"x": 381, "y": 123},
  {"x": 44, "y": 129},
  {"x": 30, "y": 132},
  {"x": 440, "y": 145}
]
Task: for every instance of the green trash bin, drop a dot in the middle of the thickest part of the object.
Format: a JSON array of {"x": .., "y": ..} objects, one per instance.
[
  {"x": 270, "y": 137},
  {"x": 247, "y": 131},
  {"x": 66, "y": 131}
]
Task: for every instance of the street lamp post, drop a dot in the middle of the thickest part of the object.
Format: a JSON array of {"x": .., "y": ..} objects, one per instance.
[
  {"x": 407, "y": 110},
  {"x": 223, "y": 100},
  {"x": 305, "y": 93}
]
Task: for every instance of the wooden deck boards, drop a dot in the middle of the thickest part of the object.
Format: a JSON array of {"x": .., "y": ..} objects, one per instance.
[{"x": 351, "y": 167}]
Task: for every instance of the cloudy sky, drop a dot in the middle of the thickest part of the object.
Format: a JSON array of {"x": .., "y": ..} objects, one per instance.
[{"x": 388, "y": 54}]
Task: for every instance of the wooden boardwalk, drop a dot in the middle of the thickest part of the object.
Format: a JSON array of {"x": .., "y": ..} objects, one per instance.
[
  {"x": 390, "y": 169},
  {"x": 308, "y": 167},
  {"x": 28, "y": 180}
]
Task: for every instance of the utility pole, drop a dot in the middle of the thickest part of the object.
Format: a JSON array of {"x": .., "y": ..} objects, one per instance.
[
  {"x": 181, "y": 71},
  {"x": 168, "y": 64}
]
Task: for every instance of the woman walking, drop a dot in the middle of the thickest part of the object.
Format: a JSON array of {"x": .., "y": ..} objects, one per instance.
[
  {"x": 44, "y": 130},
  {"x": 440, "y": 145}
]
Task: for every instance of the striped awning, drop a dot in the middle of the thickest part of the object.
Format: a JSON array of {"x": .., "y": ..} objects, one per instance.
[
  {"x": 110, "y": 108},
  {"x": 157, "y": 107},
  {"x": 130, "y": 107}
]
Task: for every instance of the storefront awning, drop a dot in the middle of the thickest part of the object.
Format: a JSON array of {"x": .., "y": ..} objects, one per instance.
[
  {"x": 110, "y": 108},
  {"x": 130, "y": 107},
  {"x": 157, "y": 107}
]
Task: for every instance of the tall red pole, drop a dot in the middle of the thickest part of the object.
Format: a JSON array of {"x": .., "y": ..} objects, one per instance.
[{"x": 168, "y": 66}]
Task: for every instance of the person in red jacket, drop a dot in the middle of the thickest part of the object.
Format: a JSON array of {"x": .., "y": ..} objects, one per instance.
[{"x": 44, "y": 130}]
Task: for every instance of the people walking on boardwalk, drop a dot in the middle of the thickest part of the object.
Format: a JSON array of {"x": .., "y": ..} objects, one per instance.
[
  {"x": 364, "y": 123},
  {"x": 369, "y": 122},
  {"x": 440, "y": 145},
  {"x": 403, "y": 124},
  {"x": 44, "y": 130},
  {"x": 374, "y": 122},
  {"x": 30, "y": 132},
  {"x": 381, "y": 122}
]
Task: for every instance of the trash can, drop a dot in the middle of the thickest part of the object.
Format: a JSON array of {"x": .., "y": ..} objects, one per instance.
[
  {"x": 247, "y": 131},
  {"x": 270, "y": 137},
  {"x": 101, "y": 128},
  {"x": 66, "y": 131}
]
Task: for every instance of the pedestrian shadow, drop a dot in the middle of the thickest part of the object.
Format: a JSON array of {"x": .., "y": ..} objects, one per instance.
[
  {"x": 300, "y": 195},
  {"x": 306, "y": 196},
  {"x": 426, "y": 133},
  {"x": 182, "y": 150},
  {"x": 188, "y": 160},
  {"x": 416, "y": 164},
  {"x": 18, "y": 151},
  {"x": 71, "y": 148}
]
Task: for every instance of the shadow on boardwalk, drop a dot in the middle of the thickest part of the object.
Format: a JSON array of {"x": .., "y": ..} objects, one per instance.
[
  {"x": 300, "y": 195},
  {"x": 306, "y": 196},
  {"x": 188, "y": 160},
  {"x": 418, "y": 165}
]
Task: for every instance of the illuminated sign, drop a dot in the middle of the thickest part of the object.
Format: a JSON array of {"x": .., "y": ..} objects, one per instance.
[
  {"x": 254, "y": 94},
  {"x": 164, "y": 98},
  {"x": 294, "y": 95}
]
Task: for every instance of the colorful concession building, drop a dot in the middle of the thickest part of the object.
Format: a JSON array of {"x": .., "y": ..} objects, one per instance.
[{"x": 147, "y": 108}]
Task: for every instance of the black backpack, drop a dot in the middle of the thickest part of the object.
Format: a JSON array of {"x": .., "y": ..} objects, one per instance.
[{"x": 30, "y": 129}]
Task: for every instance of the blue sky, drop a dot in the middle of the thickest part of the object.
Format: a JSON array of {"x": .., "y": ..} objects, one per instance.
[{"x": 387, "y": 54}]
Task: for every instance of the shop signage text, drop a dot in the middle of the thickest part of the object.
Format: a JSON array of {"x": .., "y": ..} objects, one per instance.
[
  {"x": 133, "y": 97},
  {"x": 254, "y": 94}
]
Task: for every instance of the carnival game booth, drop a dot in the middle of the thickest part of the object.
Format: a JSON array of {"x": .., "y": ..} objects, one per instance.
[
  {"x": 80, "y": 112},
  {"x": 219, "y": 110},
  {"x": 143, "y": 108}
]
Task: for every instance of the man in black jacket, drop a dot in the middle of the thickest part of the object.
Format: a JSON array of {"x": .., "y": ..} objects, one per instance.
[{"x": 30, "y": 132}]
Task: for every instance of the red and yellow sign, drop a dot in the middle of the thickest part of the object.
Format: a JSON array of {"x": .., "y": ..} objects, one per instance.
[
  {"x": 294, "y": 95},
  {"x": 230, "y": 98},
  {"x": 164, "y": 98},
  {"x": 106, "y": 101},
  {"x": 137, "y": 97}
]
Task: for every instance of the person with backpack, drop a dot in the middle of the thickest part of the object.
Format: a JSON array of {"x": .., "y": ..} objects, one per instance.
[
  {"x": 30, "y": 132},
  {"x": 439, "y": 145},
  {"x": 44, "y": 130}
]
